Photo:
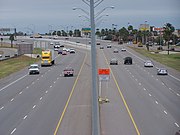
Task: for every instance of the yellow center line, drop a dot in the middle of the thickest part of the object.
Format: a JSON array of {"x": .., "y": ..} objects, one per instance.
[
  {"x": 67, "y": 103},
  {"x": 124, "y": 101}
]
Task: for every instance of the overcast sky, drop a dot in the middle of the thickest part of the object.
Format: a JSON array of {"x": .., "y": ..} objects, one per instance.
[{"x": 42, "y": 15}]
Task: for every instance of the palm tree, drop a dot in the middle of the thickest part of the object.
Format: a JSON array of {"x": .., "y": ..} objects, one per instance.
[
  {"x": 168, "y": 30},
  {"x": 11, "y": 38}
]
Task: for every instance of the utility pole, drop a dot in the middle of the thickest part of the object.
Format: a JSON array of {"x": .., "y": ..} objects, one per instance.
[{"x": 95, "y": 104}]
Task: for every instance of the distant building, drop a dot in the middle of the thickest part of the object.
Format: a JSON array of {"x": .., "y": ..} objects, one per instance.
[{"x": 177, "y": 32}]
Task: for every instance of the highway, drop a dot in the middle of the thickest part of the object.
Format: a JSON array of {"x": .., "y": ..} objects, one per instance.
[
  {"x": 33, "y": 104},
  {"x": 152, "y": 100},
  {"x": 141, "y": 102}
]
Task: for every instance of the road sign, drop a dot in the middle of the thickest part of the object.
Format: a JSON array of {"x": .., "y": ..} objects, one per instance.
[
  {"x": 104, "y": 71},
  {"x": 104, "y": 74},
  {"x": 86, "y": 30},
  {"x": 104, "y": 77}
]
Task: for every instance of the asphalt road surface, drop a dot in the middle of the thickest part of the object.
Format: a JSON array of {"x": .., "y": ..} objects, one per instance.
[
  {"x": 140, "y": 101},
  {"x": 32, "y": 104}
]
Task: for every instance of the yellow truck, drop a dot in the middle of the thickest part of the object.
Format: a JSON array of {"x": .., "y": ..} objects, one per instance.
[{"x": 47, "y": 57}]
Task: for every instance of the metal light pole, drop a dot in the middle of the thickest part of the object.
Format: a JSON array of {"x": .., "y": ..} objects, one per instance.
[{"x": 95, "y": 105}]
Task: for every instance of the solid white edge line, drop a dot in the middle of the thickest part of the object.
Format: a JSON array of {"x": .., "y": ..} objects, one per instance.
[{"x": 13, "y": 82}]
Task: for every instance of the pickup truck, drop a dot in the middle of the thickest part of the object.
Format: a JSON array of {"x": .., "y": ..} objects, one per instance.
[
  {"x": 68, "y": 71},
  {"x": 34, "y": 69}
]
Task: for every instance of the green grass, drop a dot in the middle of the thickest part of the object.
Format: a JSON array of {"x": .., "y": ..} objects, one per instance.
[
  {"x": 171, "y": 60},
  {"x": 12, "y": 65},
  {"x": 37, "y": 51}
]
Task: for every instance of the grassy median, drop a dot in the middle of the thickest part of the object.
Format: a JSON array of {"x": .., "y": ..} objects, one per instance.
[
  {"x": 12, "y": 65},
  {"x": 171, "y": 60}
]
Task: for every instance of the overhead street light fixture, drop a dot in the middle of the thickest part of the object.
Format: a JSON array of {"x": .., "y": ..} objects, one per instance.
[
  {"x": 111, "y": 7},
  {"x": 75, "y": 8}
]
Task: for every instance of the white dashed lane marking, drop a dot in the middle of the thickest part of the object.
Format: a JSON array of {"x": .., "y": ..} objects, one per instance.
[
  {"x": 34, "y": 106},
  {"x": 176, "y": 124},
  {"x": 1, "y": 107},
  {"x": 13, "y": 131},
  {"x": 25, "y": 117},
  {"x": 165, "y": 112},
  {"x": 20, "y": 93}
]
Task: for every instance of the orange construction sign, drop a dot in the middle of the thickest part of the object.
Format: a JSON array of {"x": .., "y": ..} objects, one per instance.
[{"x": 104, "y": 71}]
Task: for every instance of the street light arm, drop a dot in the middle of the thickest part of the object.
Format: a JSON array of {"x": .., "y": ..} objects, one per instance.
[
  {"x": 86, "y": 2},
  {"x": 101, "y": 17},
  {"x": 96, "y": 3},
  {"x": 87, "y": 13},
  {"x": 112, "y": 7}
]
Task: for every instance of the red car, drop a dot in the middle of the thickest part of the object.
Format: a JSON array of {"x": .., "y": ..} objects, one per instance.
[{"x": 68, "y": 71}]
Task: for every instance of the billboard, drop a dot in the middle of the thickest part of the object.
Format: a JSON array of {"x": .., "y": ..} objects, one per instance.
[
  {"x": 144, "y": 27},
  {"x": 86, "y": 30}
]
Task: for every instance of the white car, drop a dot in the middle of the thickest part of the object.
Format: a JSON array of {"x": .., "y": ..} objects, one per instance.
[
  {"x": 109, "y": 46},
  {"x": 64, "y": 49},
  {"x": 162, "y": 71},
  {"x": 72, "y": 50},
  {"x": 123, "y": 49},
  {"x": 56, "y": 49},
  {"x": 68, "y": 50},
  {"x": 34, "y": 69},
  {"x": 115, "y": 51},
  {"x": 57, "y": 43},
  {"x": 148, "y": 63},
  {"x": 57, "y": 46},
  {"x": 51, "y": 43},
  {"x": 0, "y": 55}
]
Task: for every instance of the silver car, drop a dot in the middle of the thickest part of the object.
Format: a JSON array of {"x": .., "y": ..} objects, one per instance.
[
  {"x": 115, "y": 51},
  {"x": 148, "y": 63},
  {"x": 113, "y": 61},
  {"x": 162, "y": 71}
]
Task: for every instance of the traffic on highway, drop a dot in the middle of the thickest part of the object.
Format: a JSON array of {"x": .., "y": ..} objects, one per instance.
[
  {"x": 111, "y": 69},
  {"x": 140, "y": 99}
]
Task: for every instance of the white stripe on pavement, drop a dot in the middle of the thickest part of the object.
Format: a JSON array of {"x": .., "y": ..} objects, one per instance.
[{"x": 13, "y": 82}]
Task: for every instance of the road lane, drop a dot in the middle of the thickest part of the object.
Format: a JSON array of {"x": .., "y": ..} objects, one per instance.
[
  {"x": 16, "y": 110},
  {"x": 135, "y": 73},
  {"x": 116, "y": 118}
]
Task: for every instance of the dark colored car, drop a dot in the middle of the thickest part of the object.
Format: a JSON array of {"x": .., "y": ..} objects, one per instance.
[
  {"x": 59, "y": 51},
  {"x": 128, "y": 60}
]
